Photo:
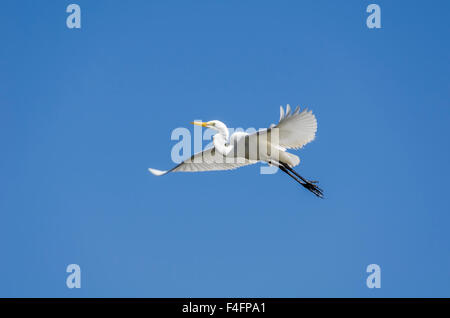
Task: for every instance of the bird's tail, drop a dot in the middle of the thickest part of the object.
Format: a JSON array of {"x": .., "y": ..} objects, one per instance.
[{"x": 289, "y": 158}]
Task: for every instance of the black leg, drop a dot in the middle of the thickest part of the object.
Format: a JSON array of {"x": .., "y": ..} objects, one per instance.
[{"x": 310, "y": 185}]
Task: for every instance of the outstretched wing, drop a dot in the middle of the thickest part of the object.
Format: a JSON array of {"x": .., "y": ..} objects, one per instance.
[
  {"x": 296, "y": 128},
  {"x": 207, "y": 160}
]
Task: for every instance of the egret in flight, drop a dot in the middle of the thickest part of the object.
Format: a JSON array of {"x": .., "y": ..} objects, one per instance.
[{"x": 294, "y": 130}]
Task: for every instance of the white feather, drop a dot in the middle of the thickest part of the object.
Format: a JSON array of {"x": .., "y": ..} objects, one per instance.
[{"x": 157, "y": 172}]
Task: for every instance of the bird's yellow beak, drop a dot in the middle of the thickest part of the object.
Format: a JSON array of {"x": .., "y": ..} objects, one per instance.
[{"x": 199, "y": 123}]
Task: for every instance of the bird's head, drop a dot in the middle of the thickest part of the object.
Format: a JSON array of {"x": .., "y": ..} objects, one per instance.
[{"x": 214, "y": 125}]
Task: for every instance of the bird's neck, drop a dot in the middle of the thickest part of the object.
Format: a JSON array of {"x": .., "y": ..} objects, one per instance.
[
  {"x": 220, "y": 141},
  {"x": 223, "y": 131}
]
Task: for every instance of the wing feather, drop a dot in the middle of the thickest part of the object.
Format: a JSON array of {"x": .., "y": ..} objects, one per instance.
[
  {"x": 207, "y": 160},
  {"x": 296, "y": 128}
]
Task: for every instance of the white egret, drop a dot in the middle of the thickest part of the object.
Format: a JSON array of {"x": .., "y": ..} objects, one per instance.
[{"x": 294, "y": 130}]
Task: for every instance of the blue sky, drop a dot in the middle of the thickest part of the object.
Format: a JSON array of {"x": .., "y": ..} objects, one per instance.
[{"x": 84, "y": 113}]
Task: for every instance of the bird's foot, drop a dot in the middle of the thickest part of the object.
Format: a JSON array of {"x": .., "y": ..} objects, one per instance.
[{"x": 314, "y": 189}]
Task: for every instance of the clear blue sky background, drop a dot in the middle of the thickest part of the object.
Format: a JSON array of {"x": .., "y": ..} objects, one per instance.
[{"x": 85, "y": 112}]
